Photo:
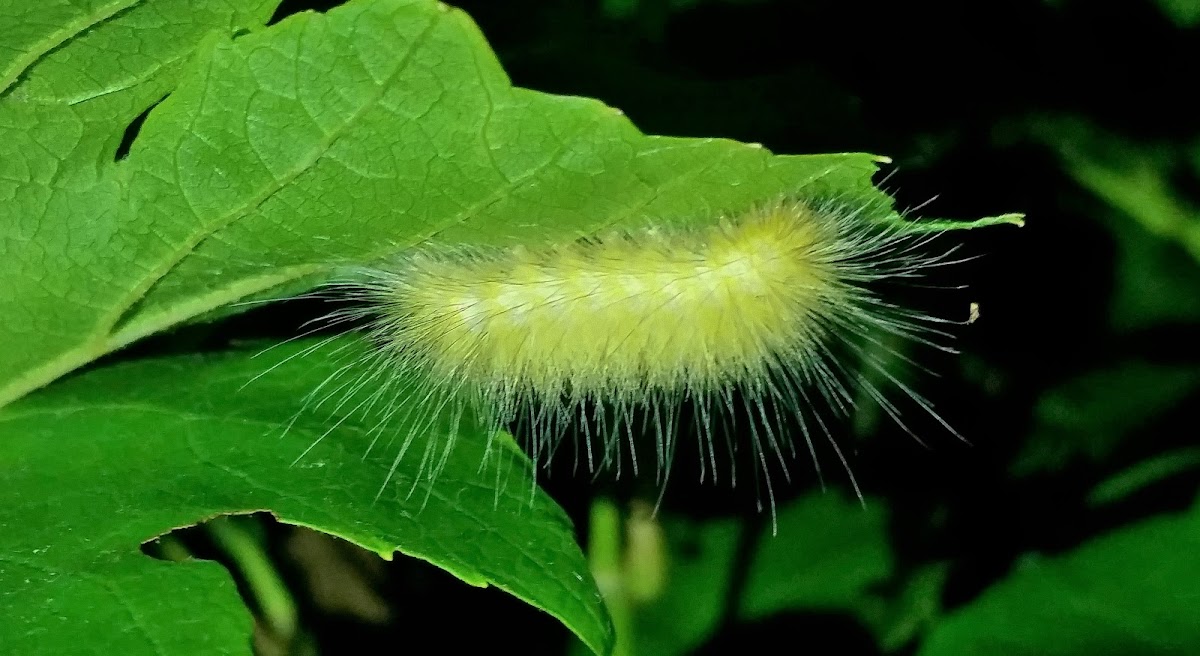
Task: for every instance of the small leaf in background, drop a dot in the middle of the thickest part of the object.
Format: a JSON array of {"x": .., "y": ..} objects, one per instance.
[
  {"x": 1132, "y": 591},
  {"x": 1156, "y": 230},
  {"x": 698, "y": 578},
  {"x": 900, "y": 619},
  {"x": 1087, "y": 418},
  {"x": 828, "y": 552},
  {"x": 1184, "y": 13},
  {"x": 1143, "y": 474}
]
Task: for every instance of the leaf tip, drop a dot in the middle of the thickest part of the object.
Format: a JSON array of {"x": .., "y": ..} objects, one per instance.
[{"x": 1014, "y": 218}]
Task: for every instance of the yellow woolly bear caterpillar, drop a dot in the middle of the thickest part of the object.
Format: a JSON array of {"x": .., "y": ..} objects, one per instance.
[{"x": 750, "y": 310}]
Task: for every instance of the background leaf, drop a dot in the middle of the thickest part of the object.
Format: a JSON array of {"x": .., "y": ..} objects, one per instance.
[
  {"x": 830, "y": 568},
  {"x": 827, "y": 553},
  {"x": 1090, "y": 416},
  {"x": 1129, "y": 592}
]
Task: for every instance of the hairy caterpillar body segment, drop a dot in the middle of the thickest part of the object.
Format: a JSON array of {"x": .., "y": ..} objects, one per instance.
[{"x": 753, "y": 314}]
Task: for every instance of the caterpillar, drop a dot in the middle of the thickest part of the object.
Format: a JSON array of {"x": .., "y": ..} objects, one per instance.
[{"x": 612, "y": 336}]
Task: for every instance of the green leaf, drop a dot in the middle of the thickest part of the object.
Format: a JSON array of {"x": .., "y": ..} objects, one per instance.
[
  {"x": 897, "y": 618},
  {"x": 76, "y": 53},
  {"x": 827, "y": 553},
  {"x": 96, "y": 465},
  {"x": 1155, "y": 229},
  {"x": 1087, "y": 417},
  {"x": 1143, "y": 474},
  {"x": 1130, "y": 592},
  {"x": 73, "y": 77},
  {"x": 943, "y": 225},
  {"x": 30, "y": 31},
  {"x": 1154, "y": 280},
  {"x": 698, "y": 581},
  {"x": 1184, "y": 13},
  {"x": 325, "y": 140}
]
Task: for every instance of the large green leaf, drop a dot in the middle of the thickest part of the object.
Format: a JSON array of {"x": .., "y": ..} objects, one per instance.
[
  {"x": 1131, "y": 592},
  {"x": 323, "y": 140},
  {"x": 94, "y": 466}
]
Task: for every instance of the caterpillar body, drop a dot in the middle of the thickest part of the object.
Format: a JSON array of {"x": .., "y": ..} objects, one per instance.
[{"x": 613, "y": 335}]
